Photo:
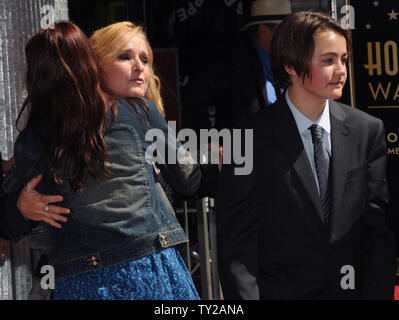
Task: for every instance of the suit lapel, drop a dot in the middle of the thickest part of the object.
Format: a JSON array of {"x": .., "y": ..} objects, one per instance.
[
  {"x": 340, "y": 150},
  {"x": 290, "y": 142}
]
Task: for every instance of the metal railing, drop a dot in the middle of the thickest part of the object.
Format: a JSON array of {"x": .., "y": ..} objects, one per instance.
[{"x": 205, "y": 215}]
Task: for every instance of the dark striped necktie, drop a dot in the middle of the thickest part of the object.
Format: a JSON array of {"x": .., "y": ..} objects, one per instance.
[{"x": 322, "y": 163}]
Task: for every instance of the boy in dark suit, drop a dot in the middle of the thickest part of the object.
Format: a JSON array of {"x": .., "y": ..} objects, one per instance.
[{"x": 309, "y": 221}]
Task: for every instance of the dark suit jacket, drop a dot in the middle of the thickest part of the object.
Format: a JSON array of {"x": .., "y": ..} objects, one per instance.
[{"x": 272, "y": 240}]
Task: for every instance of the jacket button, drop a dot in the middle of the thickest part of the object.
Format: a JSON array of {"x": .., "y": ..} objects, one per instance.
[{"x": 163, "y": 240}]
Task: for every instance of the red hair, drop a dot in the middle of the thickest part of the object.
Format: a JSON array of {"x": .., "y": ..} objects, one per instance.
[{"x": 65, "y": 97}]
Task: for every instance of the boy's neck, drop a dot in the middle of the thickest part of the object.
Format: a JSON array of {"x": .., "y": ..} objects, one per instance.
[{"x": 310, "y": 106}]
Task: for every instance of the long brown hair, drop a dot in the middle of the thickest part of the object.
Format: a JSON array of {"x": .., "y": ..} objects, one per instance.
[{"x": 64, "y": 95}]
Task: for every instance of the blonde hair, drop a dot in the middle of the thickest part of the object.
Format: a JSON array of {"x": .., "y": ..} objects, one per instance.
[{"x": 103, "y": 42}]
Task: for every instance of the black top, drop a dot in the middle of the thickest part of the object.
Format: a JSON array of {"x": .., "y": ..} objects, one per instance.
[{"x": 12, "y": 223}]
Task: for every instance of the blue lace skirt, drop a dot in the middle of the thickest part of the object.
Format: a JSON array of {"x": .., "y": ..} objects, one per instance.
[{"x": 159, "y": 276}]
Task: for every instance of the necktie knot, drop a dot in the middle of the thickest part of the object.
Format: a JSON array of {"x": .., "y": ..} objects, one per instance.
[{"x": 317, "y": 133}]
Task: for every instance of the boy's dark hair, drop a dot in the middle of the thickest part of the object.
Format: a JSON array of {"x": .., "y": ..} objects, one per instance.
[{"x": 293, "y": 44}]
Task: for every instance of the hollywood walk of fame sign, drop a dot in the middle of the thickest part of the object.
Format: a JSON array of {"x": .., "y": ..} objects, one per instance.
[{"x": 375, "y": 72}]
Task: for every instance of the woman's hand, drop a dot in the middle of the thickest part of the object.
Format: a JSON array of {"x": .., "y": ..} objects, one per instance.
[
  {"x": 3, "y": 250},
  {"x": 36, "y": 206}
]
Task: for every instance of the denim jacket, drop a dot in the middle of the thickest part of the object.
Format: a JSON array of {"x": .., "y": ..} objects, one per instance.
[{"x": 116, "y": 219}]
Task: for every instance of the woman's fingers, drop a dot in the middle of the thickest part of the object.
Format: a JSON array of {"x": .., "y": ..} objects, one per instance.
[
  {"x": 51, "y": 222},
  {"x": 38, "y": 207},
  {"x": 54, "y": 213},
  {"x": 31, "y": 185},
  {"x": 53, "y": 199},
  {"x": 58, "y": 210}
]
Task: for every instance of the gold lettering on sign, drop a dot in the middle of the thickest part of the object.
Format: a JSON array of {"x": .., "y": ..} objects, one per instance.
[
  {"x": 371, "y": 66},
  {"x": 391, "y": 67},
  {"x": 374, "y": 58},
  {"x": 392, "y": 137},
  {"x": 385, "y": 92},
  {"x": 393, "y": 151}
]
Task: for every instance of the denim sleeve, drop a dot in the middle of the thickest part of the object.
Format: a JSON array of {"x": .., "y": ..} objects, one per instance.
[{"x": 177, "y": 165}]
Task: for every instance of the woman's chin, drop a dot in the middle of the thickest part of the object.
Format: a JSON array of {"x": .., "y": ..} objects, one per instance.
[{"x": 136, "y": 94}]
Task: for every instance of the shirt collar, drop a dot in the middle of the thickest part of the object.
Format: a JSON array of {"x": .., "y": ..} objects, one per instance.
[{"x": 304, "y": 123}]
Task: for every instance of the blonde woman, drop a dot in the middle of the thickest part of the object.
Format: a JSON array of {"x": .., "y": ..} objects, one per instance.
[{"x": 118, "y": 48}]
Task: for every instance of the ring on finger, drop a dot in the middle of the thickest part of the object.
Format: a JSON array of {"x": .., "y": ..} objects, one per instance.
[
  {"x": 47, "y": 208},
  {"x": 29, "y": 186}
]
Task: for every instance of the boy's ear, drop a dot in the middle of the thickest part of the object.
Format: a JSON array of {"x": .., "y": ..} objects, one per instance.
[{"x": 290, "y": 70}]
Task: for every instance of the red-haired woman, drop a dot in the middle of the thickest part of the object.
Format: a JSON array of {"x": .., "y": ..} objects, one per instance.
[{"x": 118, "y": 242}]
